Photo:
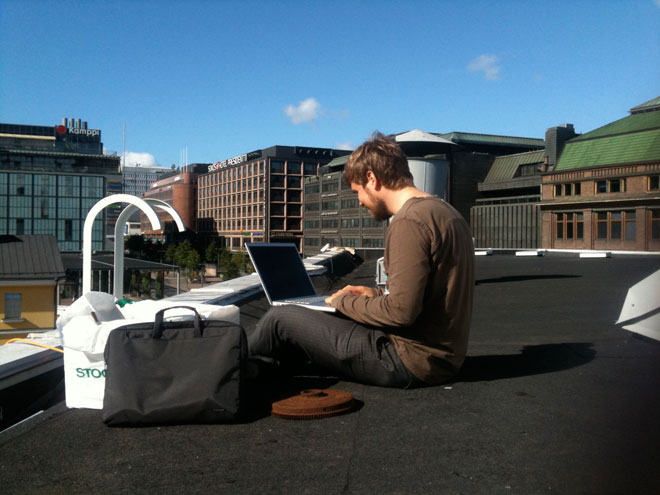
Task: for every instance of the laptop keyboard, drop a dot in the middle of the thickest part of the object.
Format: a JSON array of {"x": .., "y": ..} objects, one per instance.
[{"x": 311, "y": 300}]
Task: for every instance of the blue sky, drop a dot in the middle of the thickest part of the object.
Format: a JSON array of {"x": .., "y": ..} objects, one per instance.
[{"x": 221, "y": 78}]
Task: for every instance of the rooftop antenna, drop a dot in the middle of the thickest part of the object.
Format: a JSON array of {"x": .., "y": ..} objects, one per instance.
[{"x": 123, "y": 155}]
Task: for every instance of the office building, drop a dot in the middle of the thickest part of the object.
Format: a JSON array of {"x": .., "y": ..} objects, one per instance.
[
  {"x": 138, "y": 179},
  {"x": 258, "y": 196},
  {"x": 50, "y": 177}
]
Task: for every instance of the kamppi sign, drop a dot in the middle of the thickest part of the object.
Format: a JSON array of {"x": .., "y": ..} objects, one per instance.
[{"x": 78, "y": 133}]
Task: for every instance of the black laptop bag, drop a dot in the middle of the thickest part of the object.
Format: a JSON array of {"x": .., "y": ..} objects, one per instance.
[{"x": 174, "y": 372}]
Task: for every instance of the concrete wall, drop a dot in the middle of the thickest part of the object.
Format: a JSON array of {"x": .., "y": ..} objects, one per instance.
[{"x": 512, "y": 226}]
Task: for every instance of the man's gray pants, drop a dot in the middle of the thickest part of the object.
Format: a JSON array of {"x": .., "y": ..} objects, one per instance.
[{"x": 294, "y": 334}]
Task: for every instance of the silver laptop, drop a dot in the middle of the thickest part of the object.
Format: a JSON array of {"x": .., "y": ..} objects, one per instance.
[{"x": 284, "y": 277}]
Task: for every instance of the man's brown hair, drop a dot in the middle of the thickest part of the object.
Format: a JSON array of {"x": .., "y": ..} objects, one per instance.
[{"x": 382, "y": 156}]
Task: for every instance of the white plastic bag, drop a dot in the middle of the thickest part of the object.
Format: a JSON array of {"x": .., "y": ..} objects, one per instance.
[{"x": 84, "y": 337}]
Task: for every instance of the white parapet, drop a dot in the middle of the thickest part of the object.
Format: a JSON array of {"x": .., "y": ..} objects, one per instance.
[
  {"x": 596, "y": 254},
  {"x": 483, "y": 252},
  {"x": 531, "y": 252}
]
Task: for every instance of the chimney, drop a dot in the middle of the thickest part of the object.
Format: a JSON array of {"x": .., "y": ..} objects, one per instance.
[
  {"x": 65, "y": 122},
  {"x": 84, "y": 125},
  {"x": 555, "y": 140},
  {"x": 78, "y": 123}
]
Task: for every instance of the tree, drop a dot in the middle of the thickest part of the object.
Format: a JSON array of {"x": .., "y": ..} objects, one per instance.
[
  {"x": 135, "y": 245},
  {"x": 146, "y": 283}
]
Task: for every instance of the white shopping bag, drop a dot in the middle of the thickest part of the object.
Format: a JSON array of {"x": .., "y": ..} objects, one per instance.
[{"x": 85, "y": 327}]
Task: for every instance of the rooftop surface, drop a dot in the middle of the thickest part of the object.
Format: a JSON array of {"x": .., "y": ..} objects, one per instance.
[{"x": 553, "y": 398}]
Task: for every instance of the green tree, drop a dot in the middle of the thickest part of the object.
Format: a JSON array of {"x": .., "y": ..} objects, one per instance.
[
  {"x": 134, "y": 245},
  {"x": 146, "y": 284}
]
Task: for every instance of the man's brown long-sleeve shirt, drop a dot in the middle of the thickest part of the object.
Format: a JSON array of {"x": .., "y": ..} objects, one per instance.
[{"x": 427, "y": 308}]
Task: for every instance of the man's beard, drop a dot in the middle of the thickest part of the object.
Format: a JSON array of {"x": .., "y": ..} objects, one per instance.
[{"x": 378, "y": 209}]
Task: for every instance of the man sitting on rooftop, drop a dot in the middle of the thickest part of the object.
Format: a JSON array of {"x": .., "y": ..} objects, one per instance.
[{"x": 412, "y": 333}]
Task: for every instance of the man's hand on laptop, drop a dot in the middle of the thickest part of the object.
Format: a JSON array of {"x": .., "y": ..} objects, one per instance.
[{"x": 359, "y": 290}]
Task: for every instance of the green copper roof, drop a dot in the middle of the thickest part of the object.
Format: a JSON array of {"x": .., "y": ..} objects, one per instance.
[
  {"x": 504, "y": 168},
  {"x": 633, "y": 123},
  {"x": 653, "y": 104},
  {"x": 632, "y": 139},
  {"x": 470, "y": 138}
]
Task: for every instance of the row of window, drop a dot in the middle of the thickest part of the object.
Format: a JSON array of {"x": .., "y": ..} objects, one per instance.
[
  {"x": 605, "y": 186},
  {"x": 353, "y": 242},
  {"x": 613, "y": 225},
  {"x": 346, "y": 223},
  {"x": 51, "y": 185}
]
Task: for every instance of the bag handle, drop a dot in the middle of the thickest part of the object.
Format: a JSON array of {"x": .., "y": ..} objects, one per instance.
[{"x": 158, "y": 322}]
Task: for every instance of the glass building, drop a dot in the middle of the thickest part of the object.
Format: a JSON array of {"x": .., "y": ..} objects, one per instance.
[{"x": 47, "y": 186}]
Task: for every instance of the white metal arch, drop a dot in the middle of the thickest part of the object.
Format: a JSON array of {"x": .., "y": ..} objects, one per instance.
[
  {"x": 89, "y": 223},
  {"x": 118, "y": 287}
]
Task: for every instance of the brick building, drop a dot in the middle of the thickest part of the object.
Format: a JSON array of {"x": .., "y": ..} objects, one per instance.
[
  {"x": 258, "y": 196},
  {"x": 178, "y": 189},
  {"x": 604, "y": 193}
]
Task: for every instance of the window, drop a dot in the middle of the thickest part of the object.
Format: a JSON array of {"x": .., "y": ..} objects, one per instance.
[
  {"x": 12, "y": 307},
  {"x": 569, "y": 225},
  {"x": 616, "y": 225},
  {"x": 370, "y": 222},
  {"x": 293, "y": 168},
  {"x": 629, "y": 225},
  {"x": 311, "y": 224},
  {"x": 570, "y": 189},
  {"x": 349, "y": 203},
  {"x": 277, "y": 167},
  {"x": 311, "y": 188},
  {"x": 655, "y": 224},
  {"x": 654, "y": 183},
  {"x": 610, "y": 186},
  {"x": 329, "y": 223},
  {"x": 330, "y": 186},
  {"x": 350, "y": 223}
]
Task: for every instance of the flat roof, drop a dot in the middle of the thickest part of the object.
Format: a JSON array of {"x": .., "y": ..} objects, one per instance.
[{"x": 553, "y": 398}]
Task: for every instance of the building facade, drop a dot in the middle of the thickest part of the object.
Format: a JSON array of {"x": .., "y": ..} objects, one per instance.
[
  {"x": 332, "y": 214},
  {"x": 30, "y": 270},
  {"x": 258, "y": 196},
  {"x": 507, "y": 215},
  {"x": 50, "y": 177},
  {"x": 604, "y": 193},
  {"x": 447, "y": 165},
  {"x": 137, "y": 180},
  {"x": 178, "y": 189}
]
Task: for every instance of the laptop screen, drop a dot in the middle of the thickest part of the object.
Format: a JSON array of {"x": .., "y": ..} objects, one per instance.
[{"x": 281, "y": 270}]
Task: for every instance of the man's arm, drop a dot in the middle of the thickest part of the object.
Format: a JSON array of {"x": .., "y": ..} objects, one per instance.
[{"x": 408, "y": 261}]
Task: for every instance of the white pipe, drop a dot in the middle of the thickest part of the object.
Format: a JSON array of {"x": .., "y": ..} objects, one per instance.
[
  {"x": 119, "y": 237},
  {"x": 89, "y": 224}
]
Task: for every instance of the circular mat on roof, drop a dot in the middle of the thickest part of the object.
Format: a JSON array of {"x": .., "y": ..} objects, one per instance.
[{"x": 314, "y": 404}]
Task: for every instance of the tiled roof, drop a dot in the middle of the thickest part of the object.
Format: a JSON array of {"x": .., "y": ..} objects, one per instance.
[
  {"x": 504, "y": 167},
  {"x": 632, "y": 139},
  {"x": 471, "y": 138},
  {"x": 26, "y": 257}
]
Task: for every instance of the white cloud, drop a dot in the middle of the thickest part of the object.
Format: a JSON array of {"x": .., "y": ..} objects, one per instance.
[
  {"x": 347, "y": 145},
  {"x": 306, "y": 111},
  {"x": 142, "y": 159},
  {"x": 488, "y": 65}
]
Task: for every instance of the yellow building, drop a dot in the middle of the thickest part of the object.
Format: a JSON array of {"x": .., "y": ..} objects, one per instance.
[{"x": 30, "y": 270}]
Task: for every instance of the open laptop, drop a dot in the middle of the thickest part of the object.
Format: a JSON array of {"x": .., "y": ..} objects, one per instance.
[{"x": 284, "y": 277}]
